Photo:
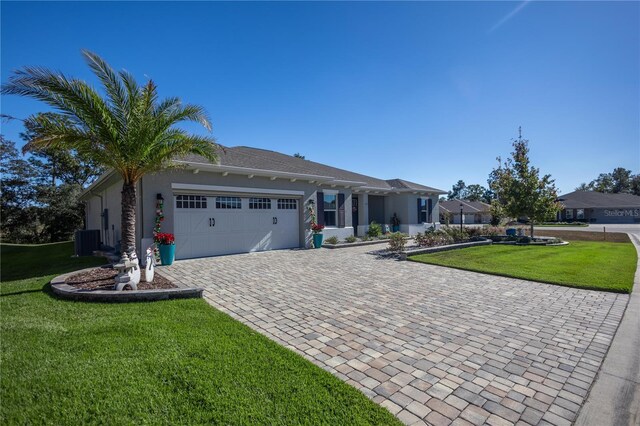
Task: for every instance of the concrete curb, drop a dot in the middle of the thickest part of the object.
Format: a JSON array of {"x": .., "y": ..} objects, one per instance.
[
  {"x": 358, "y": 244},
  {"x": 448, "y": 247},
  {"x": 68, "y": 292},
  {"x": 614, "y": 398}
]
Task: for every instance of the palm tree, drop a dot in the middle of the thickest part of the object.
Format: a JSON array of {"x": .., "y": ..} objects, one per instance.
[{"x": 128, "y": 130}]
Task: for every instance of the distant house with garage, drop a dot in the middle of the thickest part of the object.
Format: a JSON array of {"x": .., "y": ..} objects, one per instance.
[
  {"x": 598, "y": 207},
  {"x": 254, "y": 200},
  {"x": 473, "y": 212}
]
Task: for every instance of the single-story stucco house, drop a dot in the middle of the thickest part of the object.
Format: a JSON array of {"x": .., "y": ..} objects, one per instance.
[
  {"x": 254, "y": 200},
  {"x": 472, "y": 212},
  {"x": 598, "y": 207}
]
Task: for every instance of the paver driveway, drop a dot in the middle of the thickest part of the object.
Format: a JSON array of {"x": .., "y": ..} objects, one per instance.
[{"x": 432, "y": 344}]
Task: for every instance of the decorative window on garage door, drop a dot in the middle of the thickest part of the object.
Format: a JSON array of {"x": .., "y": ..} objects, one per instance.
[
  {"x": 287, "y": 204},
  {"x": 191, "y": 202},
  {"x": 260, "y": 203},
  {"x": 228, "y": 203}
]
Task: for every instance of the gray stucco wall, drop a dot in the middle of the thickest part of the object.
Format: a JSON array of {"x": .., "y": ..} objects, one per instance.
[
  {"x": 161, "y": 183},
  {"x": 108, "y": 198},
  {"x": 606, "y": 215},
  {"x": 384, "y": 206}
]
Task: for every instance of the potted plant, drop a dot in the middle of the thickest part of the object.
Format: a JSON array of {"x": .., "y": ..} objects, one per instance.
[
  {"x": 395, "y": 223},
  {"x": 317, "y": 234},
  {"x": 167, "y": 246}
]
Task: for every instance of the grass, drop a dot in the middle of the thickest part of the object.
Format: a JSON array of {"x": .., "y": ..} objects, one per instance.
[
  {"x": 583, "y": 264},
  {"x": 169, "y": 362}
]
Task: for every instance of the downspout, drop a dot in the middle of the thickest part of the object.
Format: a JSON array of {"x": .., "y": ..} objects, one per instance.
[{"x": 101, "y": 213}]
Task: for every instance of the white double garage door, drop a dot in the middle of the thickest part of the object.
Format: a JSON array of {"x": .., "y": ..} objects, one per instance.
[{"x": 211, "y": 225}]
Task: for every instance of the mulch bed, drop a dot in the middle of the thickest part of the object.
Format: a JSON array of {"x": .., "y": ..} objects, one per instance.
[{"x": 103, "y": 279}]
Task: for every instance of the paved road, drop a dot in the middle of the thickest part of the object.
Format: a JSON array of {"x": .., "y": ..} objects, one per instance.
[
  {"x": 628, "y": 228},
  {"x": 433, "y": 345}
]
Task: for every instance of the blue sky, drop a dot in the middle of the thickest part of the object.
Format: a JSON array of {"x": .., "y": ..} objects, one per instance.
[{"x": 431, "y": 92}]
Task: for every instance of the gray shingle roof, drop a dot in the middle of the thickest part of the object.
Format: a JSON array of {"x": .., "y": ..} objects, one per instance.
[
  {"x": 262, "y": 159},
  {"x": 405, "y": 184},
  {"x": 469, "y": 207},
  {"x": 593, "y": 199}
]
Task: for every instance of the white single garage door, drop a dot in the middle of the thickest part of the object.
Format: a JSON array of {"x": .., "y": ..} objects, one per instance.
[{"x": 213, "y": 225}]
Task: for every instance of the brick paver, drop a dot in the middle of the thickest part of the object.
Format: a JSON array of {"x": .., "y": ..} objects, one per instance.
[{"x": 433, "y": 345}]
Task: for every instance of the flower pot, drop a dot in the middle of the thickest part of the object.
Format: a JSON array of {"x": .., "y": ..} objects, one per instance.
[
  {"x": 317, "y": 240},
  {"x": 395, "y": 228},
  {"x": 167, "y": 253}
]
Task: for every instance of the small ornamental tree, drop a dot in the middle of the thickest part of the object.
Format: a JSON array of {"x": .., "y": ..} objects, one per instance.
[{"x": 519, "y": 189}]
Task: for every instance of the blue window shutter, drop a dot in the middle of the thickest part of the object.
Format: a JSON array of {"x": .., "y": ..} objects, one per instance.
[
  {"x": 320, "y": 208},
  {"x": 429, "y": 210}
]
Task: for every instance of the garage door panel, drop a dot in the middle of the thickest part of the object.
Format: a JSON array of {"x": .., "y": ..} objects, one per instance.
[{"x": 215, "y": 231}]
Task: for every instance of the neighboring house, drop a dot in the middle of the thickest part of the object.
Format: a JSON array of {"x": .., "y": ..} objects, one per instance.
[
  {"x": 598, "y": 207},
  {"x": 472, "y": 212},
  {"x": 255, "y": 200}
]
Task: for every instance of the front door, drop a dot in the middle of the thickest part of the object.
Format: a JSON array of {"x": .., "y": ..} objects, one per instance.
[{"x": 354, "y": 214}]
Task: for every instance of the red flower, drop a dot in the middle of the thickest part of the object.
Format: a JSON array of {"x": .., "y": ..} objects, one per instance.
[
  {"x": 164, "y": 238},
  {"x": 317, "y": 228}
]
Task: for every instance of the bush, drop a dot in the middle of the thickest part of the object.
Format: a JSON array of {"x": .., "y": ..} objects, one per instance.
[
  {"x": 397, "y": 241},
  {"x": 350, "y": 239},
  {"x": 524, "y": 240},
  {"x": 375, "y": 230},
  {"x": 473, "y": 233},
  {"x": 332, "y": 240},
  {"x": 365, "y": 238},
  {"x": 456, "y": 234},
  {"x": 433, "y": 238},
  {"x": 492, "y": 231}
]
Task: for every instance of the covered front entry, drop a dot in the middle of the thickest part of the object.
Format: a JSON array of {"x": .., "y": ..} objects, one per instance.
[{"x": 207, "y": 225}]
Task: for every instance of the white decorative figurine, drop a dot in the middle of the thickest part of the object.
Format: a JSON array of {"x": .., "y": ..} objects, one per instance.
[
  {"x": 128, "y": 272},
  {"x": 149, "y": 265}
]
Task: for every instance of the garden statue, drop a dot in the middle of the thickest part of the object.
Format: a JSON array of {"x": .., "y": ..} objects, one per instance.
[
  {"x": 150, "y": 265},
  {"x": 395, "y": 223},
  {"x": 128, "y": 272}
]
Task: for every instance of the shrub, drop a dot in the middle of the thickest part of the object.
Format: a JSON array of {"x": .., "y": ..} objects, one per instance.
[
  {"x": 365, "y": 238},
  {"x": 350, "y": 239},
  {"x": 332, "y": 240},
  {"x": 456, "y": 233},
  {"x": 433, "y": 238},
  {"x": 473, "y": 233},
  {"x": 397, "y": 241},
  {"x": 492, "y": 231},
  {"x": 375, "y": 230},
  {"x": 524, "y": 240}
]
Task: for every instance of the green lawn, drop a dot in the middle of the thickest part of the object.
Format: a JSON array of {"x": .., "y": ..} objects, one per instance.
[
  {"x": 585, "y": 264},
  {"x": 169, "y": 362}
]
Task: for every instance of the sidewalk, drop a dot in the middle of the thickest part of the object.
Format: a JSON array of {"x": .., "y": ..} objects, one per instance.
[{"x": 615, "y": 396}]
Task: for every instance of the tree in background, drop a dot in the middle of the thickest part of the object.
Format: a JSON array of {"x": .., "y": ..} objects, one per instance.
[
  {"x": 19, "y": 219},
  {"x": 298, "y": 155},
  {"x": 474, "y": 192},
  {"x": 40, "y": 192},
  {"x": 519, "y": 189},
  {"x": 620, "y": 180},
  {"x": 457, "y": 190}
]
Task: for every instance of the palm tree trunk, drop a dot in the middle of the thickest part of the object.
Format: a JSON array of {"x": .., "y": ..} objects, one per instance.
[{"x": 128, "y": 218}]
